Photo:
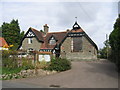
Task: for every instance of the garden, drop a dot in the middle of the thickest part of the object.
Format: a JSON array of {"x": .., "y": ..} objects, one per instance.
[{"x": 14, "y": 67}]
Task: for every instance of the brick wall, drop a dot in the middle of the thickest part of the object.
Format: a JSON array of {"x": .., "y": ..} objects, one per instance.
[{"x": 88, "y": 50}]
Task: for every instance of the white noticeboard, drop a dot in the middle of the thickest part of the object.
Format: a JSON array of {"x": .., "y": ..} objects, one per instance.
[{"x": 44, "y": 57}]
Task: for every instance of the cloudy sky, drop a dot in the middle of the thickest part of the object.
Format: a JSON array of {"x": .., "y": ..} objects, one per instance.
[{"x": 96, "y": 18}]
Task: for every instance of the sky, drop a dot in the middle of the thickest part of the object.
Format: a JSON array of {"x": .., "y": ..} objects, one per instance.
[{"x": 95, "y": 18}]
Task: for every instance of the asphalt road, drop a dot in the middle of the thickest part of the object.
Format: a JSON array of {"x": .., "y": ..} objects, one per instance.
[
  {"x": 9, "y": 84},
  {"x": 100, "y": 74}
]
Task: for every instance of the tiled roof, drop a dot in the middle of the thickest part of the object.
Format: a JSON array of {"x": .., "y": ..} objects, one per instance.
[
  {"x": 38, "y": 34},
  {"x": 3, "y": 42},
  {"x": 78, "y": 30},
  {"x": 58, "y": 35}
]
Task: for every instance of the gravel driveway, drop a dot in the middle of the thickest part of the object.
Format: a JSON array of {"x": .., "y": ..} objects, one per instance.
[{"x": 94, "y": 74}]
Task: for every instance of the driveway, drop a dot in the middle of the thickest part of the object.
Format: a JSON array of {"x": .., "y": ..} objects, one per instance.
[{"x": 94, "y": 74}]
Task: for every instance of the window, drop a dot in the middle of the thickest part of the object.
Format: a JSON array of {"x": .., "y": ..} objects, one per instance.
[
  {"x": 52, "y": 41},
  {"x": 30, "y": 49},
  {"x": 76, "y": 44},
  {"x": 21, "y": 48},
  {"x": 30, "y": 40}
]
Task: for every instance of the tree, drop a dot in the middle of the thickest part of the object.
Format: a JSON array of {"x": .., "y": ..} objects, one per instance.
[
  {"x": 114, "y": 39},
  {"x": 11, "y": 33},
  {"x": 0, "y": 31},
  {"x": 105, "y": 51}
]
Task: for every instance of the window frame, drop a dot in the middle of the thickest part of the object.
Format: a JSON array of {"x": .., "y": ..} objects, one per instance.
[{"x": 51, "y": 41}]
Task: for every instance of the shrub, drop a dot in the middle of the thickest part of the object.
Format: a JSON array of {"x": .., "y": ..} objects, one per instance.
[
  {"x": 9, "y": 59},
  {"x": 59, "y": 64},
  {"x": 10, "y": 63},
  {"x": 27, "y": 64},
  {"x": 42, "y": 64}
]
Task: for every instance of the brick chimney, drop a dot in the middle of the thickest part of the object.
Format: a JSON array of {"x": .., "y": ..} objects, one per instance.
[{"x": 46, "y": 29}]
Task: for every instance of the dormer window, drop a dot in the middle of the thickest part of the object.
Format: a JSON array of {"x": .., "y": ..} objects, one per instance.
[{"x": 52, "y": 41}]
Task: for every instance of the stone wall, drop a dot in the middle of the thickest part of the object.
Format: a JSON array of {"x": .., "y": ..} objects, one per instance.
[
  {"x": 27, "y": 73},
  {"x": 34, "y": 45},
  {"x": 88, "y": 50}
]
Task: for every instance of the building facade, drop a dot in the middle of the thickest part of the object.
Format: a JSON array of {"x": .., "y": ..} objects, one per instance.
[{"x": 72, "y": 44}]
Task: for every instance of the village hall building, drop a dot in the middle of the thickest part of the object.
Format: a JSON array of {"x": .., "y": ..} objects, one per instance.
[{"x": 72, "y": 44}]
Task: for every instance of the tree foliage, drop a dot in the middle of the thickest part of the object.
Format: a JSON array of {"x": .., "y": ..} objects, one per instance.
[
  {"x": 11, "y": 33},
  {"x": 105, "y": 51},
  {"x": 0, "y": 31},
  {"x": 114, "y": 39}
]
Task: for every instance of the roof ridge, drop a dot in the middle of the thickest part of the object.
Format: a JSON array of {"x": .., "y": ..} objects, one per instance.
[
  {"x": 34, "y": 29},
  {"x": 58, "y": 32},
  {"x": 38, "y": 34}
]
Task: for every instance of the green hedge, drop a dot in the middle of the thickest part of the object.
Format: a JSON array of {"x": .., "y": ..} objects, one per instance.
[
  {"x": 9, "y": 59},
  {"x": 10, "y": 62},
  {"x": 27, "y": 64},
  {"x": 59, "y": 64}
]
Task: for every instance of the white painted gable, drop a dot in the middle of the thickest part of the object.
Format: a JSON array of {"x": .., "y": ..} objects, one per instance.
[{"x": 30, "y": 34}]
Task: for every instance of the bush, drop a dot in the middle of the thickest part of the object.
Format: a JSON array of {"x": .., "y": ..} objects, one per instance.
[
  {"x": 27, "y": 64},
  {"x": 9, "y": 59},
  {"x": 10, "y": 62},
  {"x": 59, "y": 64},
  {"x": 42, "y": 64}
]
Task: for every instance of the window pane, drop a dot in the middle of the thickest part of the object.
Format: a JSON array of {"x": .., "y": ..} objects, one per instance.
[
  {"x": 29, "y": 40},
  {"x": 52, "y": 41}
]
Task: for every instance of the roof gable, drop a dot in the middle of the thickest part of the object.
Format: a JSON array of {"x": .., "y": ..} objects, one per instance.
[
  {"x": 53, "y": 37},
  {"x": 3, "y": 42},
  {"x": 35, "y": 33},
  {"x": 38, "y": 34},
  {"x": 76, "y": 26},
  {"x": 91, "y": 41},
  {"x": 30, "y": 34},
  {"x": 59, "y": 36}
]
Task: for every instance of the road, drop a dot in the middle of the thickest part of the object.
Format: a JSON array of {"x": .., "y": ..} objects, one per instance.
[{"x": 95, "y": 74}]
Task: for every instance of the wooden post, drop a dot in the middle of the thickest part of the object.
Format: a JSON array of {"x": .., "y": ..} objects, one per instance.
[{"x": 35, "y": 62}]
